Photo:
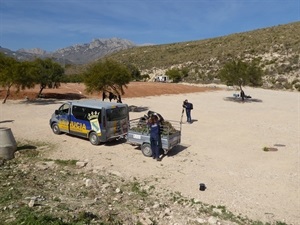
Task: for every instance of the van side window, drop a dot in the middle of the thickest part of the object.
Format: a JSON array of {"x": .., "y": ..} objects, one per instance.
[
  {"x": 84, "y": 113},
  {"x": 64, "y": 109},
  {"x": 115, "y": 114},
  {"x": 79, "y": 112}
]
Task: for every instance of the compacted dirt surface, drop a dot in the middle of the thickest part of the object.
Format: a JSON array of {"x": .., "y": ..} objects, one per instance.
[
  {"x": 246, "y": 153},
  {"x": 77, "y": 91}
]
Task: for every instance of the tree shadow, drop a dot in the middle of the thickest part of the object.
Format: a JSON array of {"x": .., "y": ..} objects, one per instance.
[
  {"x": 6, "y": 121},
  {"x": 279, "y": 145},
  {"x": 239, "y": 100},
  {"x": 41, "y": 101},
  {"x": 67, "y": 96},
  {"x": 53, "y": 98}
]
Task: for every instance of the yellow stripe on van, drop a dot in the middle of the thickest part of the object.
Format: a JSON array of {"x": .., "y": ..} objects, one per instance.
[{"x": 78, "y": 127}]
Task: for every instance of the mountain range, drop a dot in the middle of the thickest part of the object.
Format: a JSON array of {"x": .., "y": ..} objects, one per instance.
[{"x": 76, "y": 54}]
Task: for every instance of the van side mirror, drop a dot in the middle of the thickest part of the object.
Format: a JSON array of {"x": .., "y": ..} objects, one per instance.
[{"x": 56, "y": 112}]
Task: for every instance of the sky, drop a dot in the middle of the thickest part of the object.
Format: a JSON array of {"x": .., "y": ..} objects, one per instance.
[{"x": 55, "y": 24}]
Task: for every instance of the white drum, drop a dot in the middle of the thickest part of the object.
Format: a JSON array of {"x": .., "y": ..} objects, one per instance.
[{"x": 8, "y": 144}]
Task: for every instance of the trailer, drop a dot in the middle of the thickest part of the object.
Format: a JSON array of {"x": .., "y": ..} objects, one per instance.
[{"x": 139, "y": 135}]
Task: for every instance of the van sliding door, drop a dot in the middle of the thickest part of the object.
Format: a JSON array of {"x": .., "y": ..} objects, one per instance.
[{"x": 64, "y": 118}]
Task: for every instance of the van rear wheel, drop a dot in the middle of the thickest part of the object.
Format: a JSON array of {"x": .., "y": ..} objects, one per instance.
[
  {"x": 146, "y": 149},
  {"x": 94, "y": 139},
  {"x": 55, "y": 128}
]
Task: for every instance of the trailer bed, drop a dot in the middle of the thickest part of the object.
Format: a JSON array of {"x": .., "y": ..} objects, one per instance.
[{"x": 139, "y": 134}]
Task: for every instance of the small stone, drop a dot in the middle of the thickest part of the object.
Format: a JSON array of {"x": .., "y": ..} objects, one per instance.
[
  {"x": 212, "y": 220},
  {"x": 219, "y": 211},
  {"x": 200, "y": 220},
  {"x": 81, "y": 164},
  {"x": 156, "y": 205},
  {"x": 88, "y": 182},
  {"x": 31, "y": 203},
  {"x": 167, "y": 211},
  {"x": 105, "y": 186}
]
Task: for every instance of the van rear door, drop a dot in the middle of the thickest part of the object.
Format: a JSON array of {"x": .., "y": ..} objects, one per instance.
[{"x": 116, "y": 121}]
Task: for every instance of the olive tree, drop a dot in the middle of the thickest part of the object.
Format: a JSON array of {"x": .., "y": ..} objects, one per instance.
[
  {"x": 107, "y": 75},
  {"x": 15, "y": 74},
  {"x": 237, "y": 72},
  {"x": 174, "y": 74},
  {"x": 48, "y": 73},
  {"x": 135, "y": 72}
]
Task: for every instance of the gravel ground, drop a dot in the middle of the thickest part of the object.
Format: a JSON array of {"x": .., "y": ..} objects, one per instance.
[{"x": 222, "y": 148}]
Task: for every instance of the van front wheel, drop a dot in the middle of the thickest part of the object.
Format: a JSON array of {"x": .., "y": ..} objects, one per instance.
[
  {"x": 55, "y": 129},
  {"x": 146, "y": 149},
  {"x": 94, "y": 139}
]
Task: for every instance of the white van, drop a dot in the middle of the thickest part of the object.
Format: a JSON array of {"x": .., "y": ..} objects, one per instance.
[{"x": 96, "y": 120}]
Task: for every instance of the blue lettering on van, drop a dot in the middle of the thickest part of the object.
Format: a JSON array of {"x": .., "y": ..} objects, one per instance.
[{"x": 84, "y": 126}]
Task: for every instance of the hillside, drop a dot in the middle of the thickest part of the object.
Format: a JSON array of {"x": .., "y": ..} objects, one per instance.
[{"x": 277, "y": 48}]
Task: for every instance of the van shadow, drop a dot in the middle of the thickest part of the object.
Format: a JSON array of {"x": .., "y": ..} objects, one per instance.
[
  {"x": 115, "y": 142},
  {"x": 112, "y": 142}
]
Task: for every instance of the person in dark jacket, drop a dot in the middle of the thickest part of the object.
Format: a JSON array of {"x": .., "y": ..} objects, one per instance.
[
  {"x": 188, "y": 107},
  {"x": 155, "y": 136},
  {"x": 242, "y": 95}
]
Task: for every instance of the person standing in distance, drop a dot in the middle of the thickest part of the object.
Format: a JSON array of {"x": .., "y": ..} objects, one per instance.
[
  {"x": 188, "y": 107},
  {"x": 155, "y": 136}
]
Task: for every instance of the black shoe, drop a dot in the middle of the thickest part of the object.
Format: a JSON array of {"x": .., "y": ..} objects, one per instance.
[{"x": 158, "y": 159}]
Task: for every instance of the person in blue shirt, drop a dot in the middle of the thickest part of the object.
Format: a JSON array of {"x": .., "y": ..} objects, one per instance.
[
  {"x": 188, "y": 107},
  {"x": 155, "y": 137}
]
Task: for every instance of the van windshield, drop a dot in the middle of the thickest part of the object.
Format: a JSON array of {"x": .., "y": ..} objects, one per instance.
[{"x": 116, "y": 113}]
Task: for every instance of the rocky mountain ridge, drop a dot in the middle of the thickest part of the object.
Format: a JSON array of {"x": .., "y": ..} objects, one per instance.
[{"x": 75, "y": 54}]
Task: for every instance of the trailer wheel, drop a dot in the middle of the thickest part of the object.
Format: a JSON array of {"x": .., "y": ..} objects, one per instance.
[
  {"x": 94, "y": 139},
  {"x": 55, "y": 128},
  {"x": 146, "y": 149}
]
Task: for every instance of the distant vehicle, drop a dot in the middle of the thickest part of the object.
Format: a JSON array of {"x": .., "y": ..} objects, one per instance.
[
  {"x": 162, "y": 78},
  {"x": 95, "y": 120}
]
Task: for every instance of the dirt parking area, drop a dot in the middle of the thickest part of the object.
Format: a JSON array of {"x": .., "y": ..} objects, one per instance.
[{"x": 223, "y": 147}]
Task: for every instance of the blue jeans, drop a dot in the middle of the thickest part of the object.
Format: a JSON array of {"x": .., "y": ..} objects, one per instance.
[
  {"x": 188, "y": 115},
  {"x": 155, "y": 146}
]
